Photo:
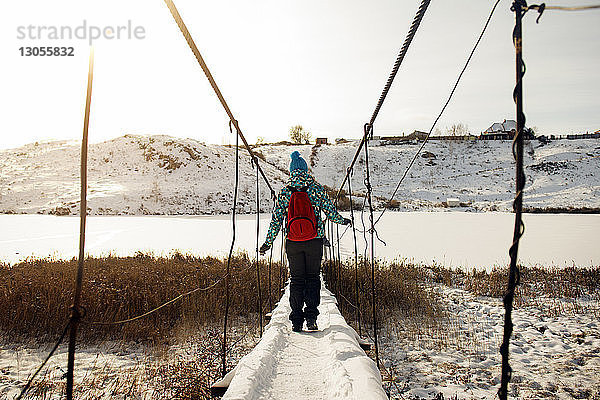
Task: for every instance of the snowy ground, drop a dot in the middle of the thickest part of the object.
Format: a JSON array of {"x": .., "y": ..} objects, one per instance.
[
  {"x": 555, "y": 354},
  {"x": 123, "y": 370},
  {"x": 555, "y": 350},
  {"x": 139, "y": 175}
]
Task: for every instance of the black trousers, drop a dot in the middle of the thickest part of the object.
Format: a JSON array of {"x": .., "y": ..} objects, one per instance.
[{"x": 305, "y": 279}]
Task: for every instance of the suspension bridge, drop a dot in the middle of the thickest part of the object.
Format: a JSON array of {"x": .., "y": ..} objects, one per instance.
[{"x": 330, "y": 363}]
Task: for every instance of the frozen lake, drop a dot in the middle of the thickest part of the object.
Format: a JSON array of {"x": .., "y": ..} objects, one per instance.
[{"x": 455, "y": 239}]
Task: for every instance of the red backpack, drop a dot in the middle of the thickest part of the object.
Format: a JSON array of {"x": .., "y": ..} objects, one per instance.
[{"x": 301, "y": 219}]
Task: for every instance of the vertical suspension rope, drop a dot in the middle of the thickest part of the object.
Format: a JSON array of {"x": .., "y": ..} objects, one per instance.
[
  {"x": 76, "y": 307},
  {"x": 369, "y": 131},
  {"x": 270, "y": 289},
  {"x": 283, "y": 274},
  {"x": 260, "y": 311},
  {"x": 519, "y": 7},
  {"x": 339, "y": 259},
  {"x": 334, "y": 258},
  {"x": 280, "y": 278},
  {"x": 355, "y": 256},
  {"x": 228, "y": 272}
]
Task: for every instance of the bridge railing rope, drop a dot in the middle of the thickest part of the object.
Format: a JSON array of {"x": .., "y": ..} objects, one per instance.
[
  {"x": 194, "y": 48},
  {"x": 520, "y": 8},
  {"x": 460, "y": 75},
  {"x": 405, "y": 46}
]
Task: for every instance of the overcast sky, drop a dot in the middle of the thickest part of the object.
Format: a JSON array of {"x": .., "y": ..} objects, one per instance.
[{"x": 321, "y": 64}]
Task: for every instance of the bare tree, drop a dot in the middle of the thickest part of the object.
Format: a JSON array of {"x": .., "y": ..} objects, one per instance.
[
  {"x": 458, "y": 129},
  {"x": 299, "y": 135}
]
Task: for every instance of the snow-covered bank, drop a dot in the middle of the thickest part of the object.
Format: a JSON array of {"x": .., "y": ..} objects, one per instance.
[
  {"x": 139, "y": 175},
  {"x": 555, "y": 350},
  {"x": 124, "y": 370}
]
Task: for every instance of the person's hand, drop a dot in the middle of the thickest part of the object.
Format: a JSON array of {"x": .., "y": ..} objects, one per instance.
[
  {"x": 347, "y": 222},
  {"x": 263, "y": 249}
]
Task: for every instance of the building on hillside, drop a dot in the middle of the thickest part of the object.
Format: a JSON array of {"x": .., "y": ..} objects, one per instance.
[
  {"x": 321, "y": 140},
  {"x": 417, "y": 135},
  {"x": 342, "y": 140},
  {"x": 500, "y": 130}
]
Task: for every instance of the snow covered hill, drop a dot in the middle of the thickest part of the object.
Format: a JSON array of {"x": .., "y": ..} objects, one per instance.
[
  {"x": 130, "y": 175},
  {"x": 167, "y": 175}
]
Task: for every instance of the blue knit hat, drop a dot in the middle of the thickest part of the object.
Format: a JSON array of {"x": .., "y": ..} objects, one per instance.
[{"x": 297, "y": 162}]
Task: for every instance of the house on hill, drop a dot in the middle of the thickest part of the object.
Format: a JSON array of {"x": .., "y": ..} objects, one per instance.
[
  {"x": 417, "y": 135},
  {"x": 501, "y": 130}
]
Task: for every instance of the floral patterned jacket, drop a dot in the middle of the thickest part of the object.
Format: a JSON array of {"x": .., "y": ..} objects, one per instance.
[{"x": 319, "y": 199}]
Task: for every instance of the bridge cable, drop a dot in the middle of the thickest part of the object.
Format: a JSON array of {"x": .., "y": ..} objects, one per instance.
[
  {"x": 563, "y": 8},
  {"x": 372, "y": 231},
  {"x": 173, "y": 300},
  {"x": 520, "y": 8},
  {"x": 443, "y": 108},
  {"x": 355, "y": 257},
  {"x": 227, "y": 275},
  {"x": 76, "y": 309},
  {"x": 260, "y": 310},
  {"x": 337, "y": 239},
  {"x": 407, "y": 41},
  {"x": 270, "y": 283},
  {"x": 232, "y": 120}
]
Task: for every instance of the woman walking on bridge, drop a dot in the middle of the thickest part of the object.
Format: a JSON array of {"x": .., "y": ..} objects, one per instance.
[{"x": 302, "y": 201}]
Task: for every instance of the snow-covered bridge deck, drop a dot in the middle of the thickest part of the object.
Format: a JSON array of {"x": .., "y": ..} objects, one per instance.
[{"x": 328, "y": 364}]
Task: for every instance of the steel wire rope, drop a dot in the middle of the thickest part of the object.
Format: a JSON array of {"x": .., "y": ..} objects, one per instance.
[
  {"x": 443, "y": 108},
  {"x": 76, "y": 313},
  {"x": 337, "y": 240},
  {"x": 564, "y": 8},
  {"x": 372, "y": 231},
  {"x": 404, "y": 49},
  {"x": 227, "y": 275},
  {"x": 260, "y": 310},
  {"x": 356, "y": 286},
  {"x": 213, "y": 83},
  {"x": 173, "y": 300},
  {"x": 270, "y": 283}
]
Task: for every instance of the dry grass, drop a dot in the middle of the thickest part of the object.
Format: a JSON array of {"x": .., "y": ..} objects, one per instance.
[
  {"x": 35, "y": 295},
  {"x": 343, "y": 202},
  {"x": 409, "y": 306},
  {"x": 401, "y": 291},
  {"x": 569, "y": 282}
]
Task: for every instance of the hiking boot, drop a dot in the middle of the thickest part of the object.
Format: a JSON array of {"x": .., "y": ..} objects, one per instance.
[
  {"x": 311, "y": 325},
  {"x": 296, "y": 327}
]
